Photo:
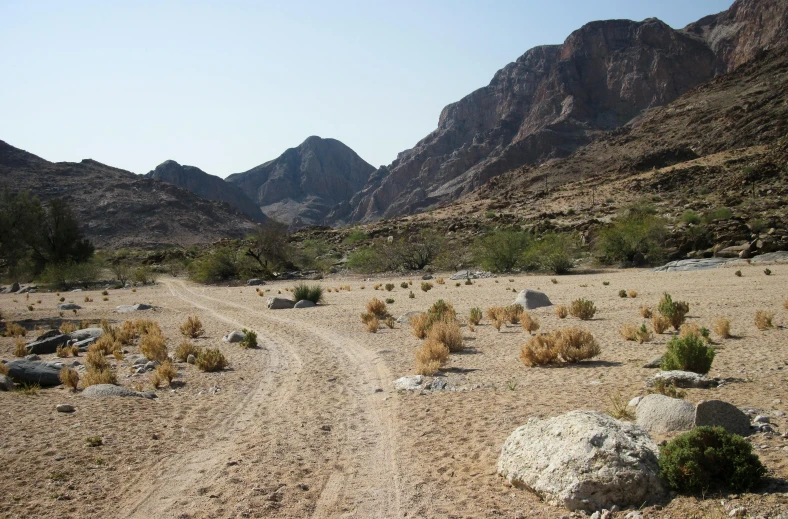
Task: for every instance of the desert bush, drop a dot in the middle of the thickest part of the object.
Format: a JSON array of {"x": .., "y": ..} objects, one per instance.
[
  {"x": 722, "y": 327},
  {"x": 582, "y": 309},
  {"x": 632, "y": 293},
  {"x": 643, "y": 335},
  {"x": 636, "y": 237},
  {"x": 430, "y": 357},
  {"x": 69, "y": 377},
  {"x": 313, "y": 293},
  {"x": 210, "y": 360},
  {"x": 441, "y": 311},
  {"x": 249, "y": 340},
  {"x": 440, "y": 281},
  {"x": 95, "y": 358},
  {"x": 561, "y": 311},
  {"x": 690, "y": 217},
  {"x": 688, "y": 329},
  {"x": 377, "y": 308},
  {"x": 575, "y": 344},
  {"x": 63, "y": 351},
  {"x": 737, "y": 273},
  {"x": 512, "y": 313},
  {"x": 448, "y": 334},
  {"x": 629, "y": 332},
  {"x": 96, "y": 376},
  {"x": 19, "y": 347},
  {"x": 668, "y": 389},
  {"x": 688, "y": 353},
  {"x": 619, "y": 408},
  {"x": 674, "y": 311},
  {"x": 645, "y": 312},
  {"x": 496, "y": 312},
  {"x": 553, "y": 252},
  {"x": 14, "y": 330},
  {"x": 530, "y": 324},
  {"x": 426, "y": 286},
  {"x": 404, "y": 284},
  {"x": 4, "y": 369},
  {"x": 710, "y": 458},
  {"x": 719, "y": 213},
  {"x": 622, "y": 293},
  {"x": 390, "y": 322},
  {"x": 540, "y": 350},
  {"x": 497, "y": 322},
  {"x": 389, "y": 287},
  {"x": 389, "y": 300},
  {"x": 659, "y": 323},
  {"x": 152, "y": 345},
  {"x": 501, "y": 251},
  {"x": 185, "y": 349},
  {"x": 373, "y": 323},
  {"x": 763, "y": 320},
  {"x": 411, "y": 295},
  {"x": 475, "y": 316},
  {"x": 166, "y": 371},
  {"x": 106, "y": 344},
  {"x": 192, "y": 327},
  {"x": 67, "y": 327}
]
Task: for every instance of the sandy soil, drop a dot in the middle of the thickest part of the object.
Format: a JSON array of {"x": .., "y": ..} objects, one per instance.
[{"x": 309, "y": 425}]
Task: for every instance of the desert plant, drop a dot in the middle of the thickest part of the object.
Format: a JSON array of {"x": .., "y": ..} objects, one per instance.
[
  {"x": 19, "y": 347},
  {"x": 539, "y": 351},
  {"x": 496, "y": 312},
  {"x": 404, "y": 284},
  {"x": 785, "y": 304},
  {"x": 710, "y": 458},
  {"x": 668, "y": 389},
  {"x": 561, "y": 311},
  {"x": 502, "y": 250},
  {"x": 530, "y": 324},
  {"x": 582, "y": 309},
  {"x": 185, "y": 349},
  {"x": 737, "y": 273},
  {"x": 313, "y": 293},
  {"x": 643, "y": 335},
  {"x": 418, "y": 324},
  {"x": 152, "y": 345},
  {"x": 468, "y": 281},
  {"x": 763, "y": 320},
  {"x": 606, "y": 283},
  {"x": 192, "y": 327},
  {"x": 389, "y": 300},
  {"x": 575, "y": 344},
  {"x": 659, "y": 323},
  {"x": 674, "y": 311},
  {"x": 95, "y": 376},
  {"x": 619, "y": 408},
  {"x": 210, "y": 360},
  {"x": 63, "y": 351},
  {"x": 622, "y": 293},
  {"x": 390, "y": 322},
  {"x": 426, "y": 286},
  {"x": 632, "y": 293},
  {"x": 377, "y": 308},
  {"x": 448, "y": 334},
  {"x": 94, "y": 441},
  {"x": 553, "y": 281},
  {"x": 372, "y": 324},
  {"x": 441, "y": 311},
  {"x": 166, "y": 371},
  {"x": 513, "y": 312},
  {"x": 688, "y": 353},
  {"x": 106, "y": 344},
  {"x": 4, "y": 369},
  {"x": 767, "y": 271},
  {"x": 722, "y": 327},
  {"x": 636, "y": 237},
  {"x": 249, "y": 340},
  {"x": 629, "y": 332},
  {"x": 389, "y": 287},
  {"x": 645, "y": 312},
  {"x": 69, "y": 377},
  {"x": 67, "y": 327},
  {"x": 430, "y": 357},
  {"x": 14, "y": 330},
  {"x": 411, "y": 295},
  {"x": 497, "y": 322},
  {"x": 476, "y": 316},
  {"x": 95, "y": 358},
  {"x": 440, "y": 281},
  {"x": 688, "y": 329}
]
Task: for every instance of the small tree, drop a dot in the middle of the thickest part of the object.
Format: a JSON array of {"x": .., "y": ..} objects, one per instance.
[
  {"x": 501, "y": 251},
  {"x": 268, "y": 245},
  {"x": 636, "y": 237}
]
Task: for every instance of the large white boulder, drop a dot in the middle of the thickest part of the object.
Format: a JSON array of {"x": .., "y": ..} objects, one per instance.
[
  {"x": 531, "y": 299},
  {"x": 583, "y": 460},
  {"x": 661, "y": 414}
]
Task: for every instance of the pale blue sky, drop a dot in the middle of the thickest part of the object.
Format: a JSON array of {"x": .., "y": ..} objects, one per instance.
[{"x": 226, "y": 86}]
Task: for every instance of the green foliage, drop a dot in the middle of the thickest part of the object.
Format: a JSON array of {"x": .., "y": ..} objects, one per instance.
[
  {"x": 250, "y": 339},
  {"x": 65, "y": 275},
  {"x": 221, "y": 264},
  {"x": 389, "y": 301},
  {"x": 688, "y": 353},
  {"x": 719, "y": 213},
  {"x": 636, "y": 237},
  {"x": 314, "y": 254},
  {"x": 368, "y": 259},
  {"x": 313, "y": 293},
  {"x": 269, "y": 247},
  {"x": 355, "y": 236},
  {"x": 674, "y": 311},
  {"x": 404, "y": 284},
  {"x": 501, "y": 251},
  {"x": 413, "y": 252},
  {"x": 144, "y": 275},
  {"x": 690, "y": 217},
  {"x": 553, "y": 252},
  {"x": 710, "y": 458}
]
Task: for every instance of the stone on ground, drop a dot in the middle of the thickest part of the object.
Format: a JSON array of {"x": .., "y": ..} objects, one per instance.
[
  {"x": 304, "y": 303},
  {"x": 47, "y": 346},
  {"x": 653, "y": 363},
  {"x": 685, "y": 379},
  {"x": 124, "y": 309},
  {"x": 31, "y": 372},
  {"x": 583, "y": 460},
  {"x": 68, "y": 306},
  {"x": 104, "y": 390},
  {"x": 723, "y": 414},
  {"x": 234, "y": 336},
  {"x": 406, "y": 317},
  {"x": 531, "y": 299},
  {"x": 279, "y": 303},
  {"x": 254, "y": 282},
  {"x": 65, "y": 408},
  {"x": 661, "y": 414},
  {"x": 6, "y": 384},
  {"x": 86, "y": 333}
]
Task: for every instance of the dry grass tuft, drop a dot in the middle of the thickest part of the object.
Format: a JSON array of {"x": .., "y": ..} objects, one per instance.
[
  {"x": 561, "y": 311},
  {"x": 67, "y": 327},
  {"x": 69, "y": 377},
  {"x": 63, "y": 351},
  {"x": 95, "y": 358},
  {"x": 4, "y": 369},
  {"x": 390, "y": 322},
  {"x": 659, "y": 323},
  {"x": 722, "y": 327},
  {"x": 629, "y": 332},
  {"x": 192, "y": 327},
  {"x": 185, "y": 349},
  {"x": 377, "y": 308},
  {"x": 619, "y": 409},
  {"x": 373, "y": 323},
  {"x": 418, "y": 324},
  {"x": 440, "y": 281},
  {"x": 632, "y": 293},
  {"x": 539, "y": 351},
  {"x": 448, "y": 334},
  {"x": 426, "y": 286},
  {"x": 582, "y": 309},
  {"x": 476, "y": 316},
  {"x": 165, "y": 371},
  {"x": 512, "y": 313},
  {"x": 430, "y": 357},
  {"x": 645, "y": 312},
  {"x": 497, "y": 322},
  {"x": 14, "y": 330},
  {"x": 763, "y": 320},
  {"x": 96, "y": 376},
  {"x": 575, "y": 344},
  {"x": 530, "y": 324},
  {"x": 19, "y": 347},
  {"x": 211, "y": 360},
  {"x": 152, "y": 345}
]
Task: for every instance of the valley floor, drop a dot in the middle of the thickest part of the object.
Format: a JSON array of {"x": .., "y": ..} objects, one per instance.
[{"x": 310, "y": 425}]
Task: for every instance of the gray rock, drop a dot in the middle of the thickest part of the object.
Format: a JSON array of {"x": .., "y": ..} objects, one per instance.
[
  {"x": 151, "y": 365},
  {"x": 83, "y": 345},
  {"x": 254, "y": 282},
  {"x": 13, "y": 288},
  {"x": 68, "y": 306},
  {"x": 682, "y": 379},
  {"x": 583, "y": 460},
  {"x": 234, "y": 336},
  {"x": 411, "y": 383},
  {"x": 279, "y": 303},
  {"x": 104, "y": 390},
  {"x": 460, "y": 275},
  {"x": 531, "y": 299},
  {"x": 47, "y": 346},
  {"x": 140, "y": 361},
  {"x": 661, "y": 414},
  {"x": 653, "y": 363},
  {"x": 635, "y": 401},
  {"x": 191, "y": 359},
  {"x": 86, "y": 333},
  {"x": 42, "y": 373},
  {"x": 406, "y": 317},
  {"x": 6, "y": 384},
  {"x": 304, "y": 303},
  {"x": 65, "y": 408},
  {"x": 762, "y": 419},
  {"x": 425, "y": 277},
  {"x": 48, "y": 335},
  {"x": 124, "y": 309},
  {"x": 32, "y": 289},
  {"x": 723, "y": 414},
  {"x": 689, "y": 265},
  {"x": 32, "y": 357}
]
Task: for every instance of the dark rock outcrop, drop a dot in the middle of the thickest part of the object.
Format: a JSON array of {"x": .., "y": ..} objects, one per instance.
[
  {"x": 206, "y": 186},
  {"x": 302, "y": 185}
]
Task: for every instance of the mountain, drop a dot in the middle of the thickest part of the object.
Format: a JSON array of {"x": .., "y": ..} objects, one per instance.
[
  {"x": 556, "y": 98},
  {"x": 206, "y": 186},
  {"x": 117, "y": 208},
  {"x": 302, "y": 185}
]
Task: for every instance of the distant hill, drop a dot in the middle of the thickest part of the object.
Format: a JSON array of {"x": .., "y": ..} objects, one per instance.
[{"x": 117, "y": 208}]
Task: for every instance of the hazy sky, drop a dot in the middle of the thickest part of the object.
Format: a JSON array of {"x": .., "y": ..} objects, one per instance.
[{"x": 226, "y": 86}]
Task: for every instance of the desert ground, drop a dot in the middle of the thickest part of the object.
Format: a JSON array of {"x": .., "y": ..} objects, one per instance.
[{"x": 309, "y": 424}]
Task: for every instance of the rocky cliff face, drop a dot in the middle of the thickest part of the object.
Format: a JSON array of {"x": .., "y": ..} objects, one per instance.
[
  {"x": 117, "y": 208},
  {"x": 555, "y": 99},
  {"x": 304, "y": 184},
  {"x": 206, "y": 186}
]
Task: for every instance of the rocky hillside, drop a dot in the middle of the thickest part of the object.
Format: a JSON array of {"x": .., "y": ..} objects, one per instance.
[
  {"x": 206, "y": 186},
  {"x": 555, "y": 99},
  {"x": 120, "y": 209},
  {"x": 302, "y": 185}
]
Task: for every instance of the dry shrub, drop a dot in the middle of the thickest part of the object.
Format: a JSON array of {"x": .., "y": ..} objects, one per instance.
[
  {"x": 674, "y": 311},
  {"x": 722, "y": 327},
  {"x": 96, "y": 376},
  {"x": 538, "y": 351},
  {"x": 688, "y": 329},
  {"x": 373, "y": 324},
  {"x": 67, "y": 327},
  {"x": 389, "y": 322},
  {"x": 192, "y": 327},
  {"x": 145, "y": 326},
  {"x": 211, "y": 360},
  {"x": 582, "y": 309},
  {"x": 659, "y": 323},
  {"x": 530, "y": 324},
  {"x": 440, "y": 281},
  {"x": 619, "y": 408},
  {"x": 643, "y": 335},
  {"x": 496, "y": 312},
  {"x": 645, "y": 312},
  {"x": 575, "y": 344},
  {"x": 19, "y": 347},
  {"x": 166, "y": 371},
  {"x": 663, "y": 388},
  {"x": 185, "y": 349},
  {"x": 497, "y": 322},
  {"x": 426, "y": 286},
  {"x": 63, "y": 351},
  {"x": 632, "y": 293},
  {"x": 95, "y": 358},
  {"x": 153, "y": 347},
  {"x": 4, "y": 369},
  {"x": 69, "y": 377},
  {"x": 418, "y": 324},
  {"x": 475, "y": 316},
  {"x": 430, "y": 357},
  {"x": 106, "y": 344},
  {"x": 448, "y": 334},
  {"x": 14, "y": 330},
  {"x": 561, "y": 311},
  {"x": 377, "y": 308},
  {"x": 763, "y": 320},
  {"x": 629, "y": 332},
  {"x": 127, "y": 332},
  {"x": 513, "y": 313}
]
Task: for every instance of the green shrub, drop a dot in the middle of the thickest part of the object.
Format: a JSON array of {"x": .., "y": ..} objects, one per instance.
[
  {"x": 720, "y": 213},
  {"x": 637, "y": 237},
  {"x": 710, "y": 458},
  {"x": 688, "y": 353},
  {"x": 404, "y": 284},
  {"x": 313, "y": 293},
  {"x": 674, "y": 311},
  {"x": 552, "y": 252},
  {"x": 501, "y": 251},
  {"x": 369, "y": 259},
  {"x": 389, "y": 287},
  {"x": 211, "y": 360},
  {"x": 476, "y": 315},
  {"x": 389, "y": 301},
  {"x": 690, "y": 217},
  {"x": 222, "y": 264},
  {"x": 250, "y": 339},
  {"x": 355, "y": 236}
]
